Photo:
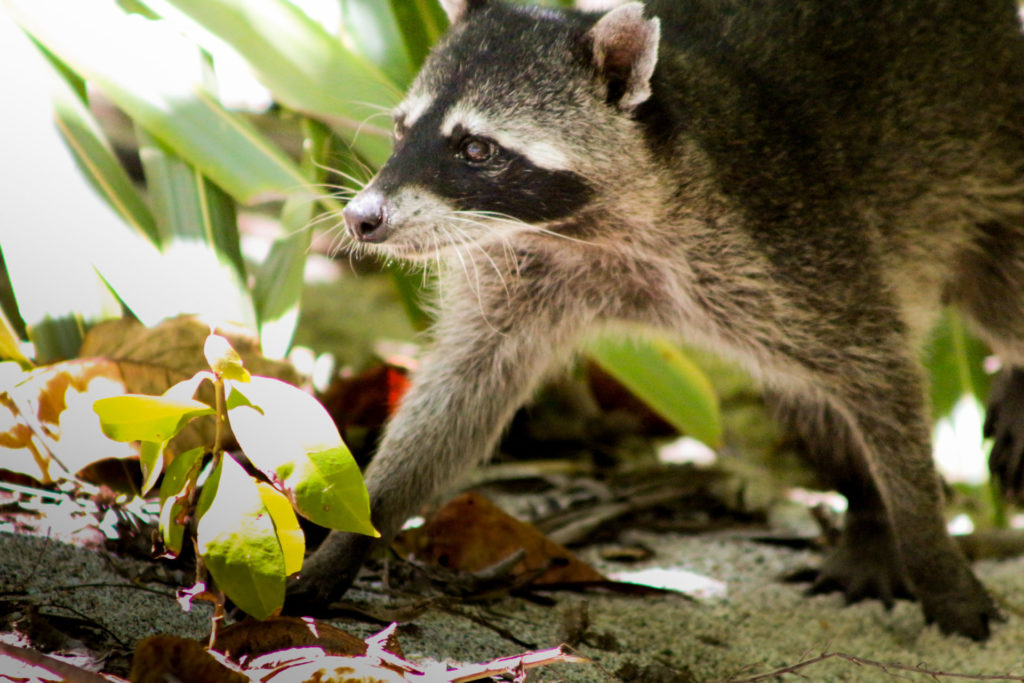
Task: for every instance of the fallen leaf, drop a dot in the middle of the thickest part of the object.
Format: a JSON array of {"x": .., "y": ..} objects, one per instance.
[
  {"x": 152, "y": 359},
  {"x": 470, "y": 534},
  {"x": 368, "y": 399},
  {"x": 168, "y": 658},
  {"x": 334, "y": 669},
  {"x": 20, "y": 664},
  {"x": 250, "y": 638},
  {"x": 49, "y": 430}
]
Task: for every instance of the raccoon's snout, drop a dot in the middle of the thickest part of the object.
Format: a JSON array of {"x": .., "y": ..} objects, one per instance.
[{"x": 366, "y": 217}]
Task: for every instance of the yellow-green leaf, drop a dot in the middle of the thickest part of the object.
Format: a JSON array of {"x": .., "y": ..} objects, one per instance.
[
  {"x": 151, "y": 458},
  {"x": 9, "y": 344},
  {"x": 155, "y": 75},
  {"x": 289, "y": 533},
  {"x": 290, "y": 437},
  {"x": 223, "y": 359},
  {"x": 238, "y": 541},
  {"x": 666, "y": 380},
  {"x": 179, "y": 481},
  {"x": 135, "y": 417}
]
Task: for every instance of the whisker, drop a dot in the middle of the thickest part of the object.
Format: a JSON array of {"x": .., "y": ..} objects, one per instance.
[
  {"x": 526, "y": 227},
  {"x": 468, "y": 238}
]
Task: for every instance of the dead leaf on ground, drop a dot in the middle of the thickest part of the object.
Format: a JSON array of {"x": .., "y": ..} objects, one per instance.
[
  {"x": 251, "y": 638},
  {"x": 152, "y": 359},
  {"x": 470, "y": 534},
  {"x": 163, "y": 658},
  {"x": 367, "y": 399},
  {"x": 170, "y": 658},
  {"x": 48, "y": 429},
  {"x": 20, "y": 664}
]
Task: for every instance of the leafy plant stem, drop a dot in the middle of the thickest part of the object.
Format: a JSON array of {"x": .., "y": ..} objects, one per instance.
[
  {"x": 218, "y": 615},
  {"x": 221, "y": 420}
]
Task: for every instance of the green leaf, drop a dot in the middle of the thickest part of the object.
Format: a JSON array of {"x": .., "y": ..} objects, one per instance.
[
  {"x": 93, "y": 153},
  {"x": 278, "y": 286},
  {"x": 56, "y": 311},
  {"x": 666, "y": 380},
  {"x": 223, "y": 359},
  {"x": 155, "y": 76},
  {"x": 197, "y": 225},
  {"x": 422, "y": 22},
  {"x": 238, "y": 542},
  {"x": 151, "y": 458},
  {"x": 955, "y": 360},
  {"x": 293, "y": 440},
  {"x": 304, "y": 66},
  {"x": 373, "y": 28},
  {"x": 178, "y": 483},
  {"x": 10, "y": 345},
  {"x": 135, "y": 417},
  {"x": 289, "y": 533}
]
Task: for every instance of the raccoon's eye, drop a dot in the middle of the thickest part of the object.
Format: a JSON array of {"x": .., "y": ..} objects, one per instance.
[{"x": 476, "y": 150}]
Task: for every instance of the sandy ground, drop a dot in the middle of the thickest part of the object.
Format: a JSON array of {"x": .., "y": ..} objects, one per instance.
[{"x": 747, "y": 623}]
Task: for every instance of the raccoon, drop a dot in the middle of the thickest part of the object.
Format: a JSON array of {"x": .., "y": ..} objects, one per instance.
[{"x": 798, "y": 184}]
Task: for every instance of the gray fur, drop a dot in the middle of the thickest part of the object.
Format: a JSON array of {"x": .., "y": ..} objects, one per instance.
[{"x": 805, "y": 186}]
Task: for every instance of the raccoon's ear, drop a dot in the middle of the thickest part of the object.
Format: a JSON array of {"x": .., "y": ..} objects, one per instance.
[
  {"x": 625, "y": 49},
  {"x": 458, "y": 9}
]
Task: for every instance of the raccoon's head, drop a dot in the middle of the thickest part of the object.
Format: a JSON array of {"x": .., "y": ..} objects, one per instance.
[{"x": 520, "y": 120}]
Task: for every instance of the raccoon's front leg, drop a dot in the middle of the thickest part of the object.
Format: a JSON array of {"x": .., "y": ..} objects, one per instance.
[{"x": 489, "y": 355}]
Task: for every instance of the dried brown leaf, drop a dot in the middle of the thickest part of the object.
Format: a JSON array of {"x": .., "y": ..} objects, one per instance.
[
  {"x": 169, "y": 658},
  {"x": 470, "y": 534},
  {"x": 251, "y": 638},
  {"x": 50, "y": 430}
]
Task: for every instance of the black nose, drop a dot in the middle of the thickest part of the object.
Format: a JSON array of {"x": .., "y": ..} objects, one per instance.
[{"x": 365, "y": 217}]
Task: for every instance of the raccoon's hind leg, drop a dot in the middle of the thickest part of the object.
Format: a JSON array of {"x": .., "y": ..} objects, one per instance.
[
  {"x": 874, "y": 385},
  {"x": 989, "y": 289},
  {"x": 865, "y": 562}
]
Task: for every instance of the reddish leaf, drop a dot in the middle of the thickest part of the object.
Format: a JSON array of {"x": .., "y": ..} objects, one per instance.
[
  {"x": 251, "y": 638},
  {"x": 169, "y": 658},
  {"x": 367, "y": 399},
  {"x": 470, "y": 533}
]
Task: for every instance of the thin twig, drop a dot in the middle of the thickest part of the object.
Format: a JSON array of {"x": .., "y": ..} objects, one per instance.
[
  {"x": 889, "y": 668},
  {"x": 529, "y": 660}
]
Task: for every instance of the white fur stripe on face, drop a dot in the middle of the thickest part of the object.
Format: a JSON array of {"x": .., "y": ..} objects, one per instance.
[
  {"x": 540, "y": 152},
  {"x": 413, "y": 108}
]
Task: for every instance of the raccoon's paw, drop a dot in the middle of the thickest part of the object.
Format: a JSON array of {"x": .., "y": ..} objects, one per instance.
[
  {"x": 864, "y": 565},
  {"x": 856, "y": 577},
  {"x": 327, "y": 573},
  {"x": 967, "y": 610},
  {"x": 1004, "y": 424}
]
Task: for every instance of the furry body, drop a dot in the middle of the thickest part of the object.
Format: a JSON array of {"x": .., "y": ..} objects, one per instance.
[{"x": 800, "y": 184}]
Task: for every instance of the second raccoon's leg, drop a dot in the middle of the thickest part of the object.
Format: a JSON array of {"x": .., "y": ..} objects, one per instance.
[
  {"x": 865, "y": 563},
  {"x": 989, "y": 288}
]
